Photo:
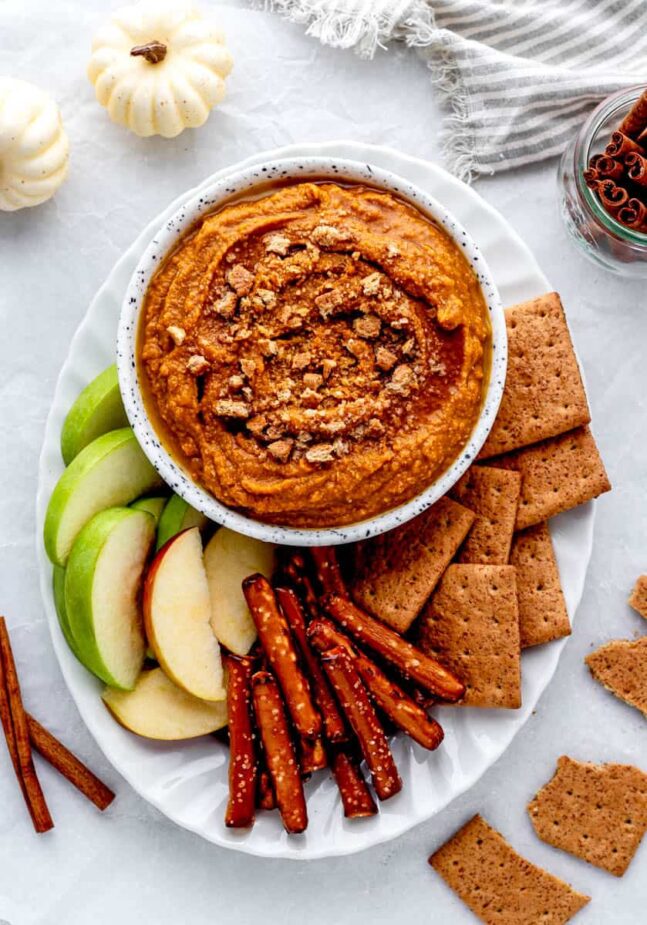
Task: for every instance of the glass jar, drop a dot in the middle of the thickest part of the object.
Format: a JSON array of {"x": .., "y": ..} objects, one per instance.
[{"x": 607, "y": 242}]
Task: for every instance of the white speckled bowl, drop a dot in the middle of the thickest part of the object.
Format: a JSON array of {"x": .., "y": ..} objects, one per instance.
[{"x": 207, "y": 201}]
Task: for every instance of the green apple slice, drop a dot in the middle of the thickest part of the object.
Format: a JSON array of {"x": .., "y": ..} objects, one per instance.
[
  {"x": 58, "y": 587},
  {"x": 228, "y": 559},
  {"x": 178, "y": 516},
  {"x": 177, "y": 617},
  {"x": 152, "y": 504},
  {"x": 97, "y": 410},
  {"x": 110, "y": 471},
  {"x": 157, "y": 709},
  {"x": 102, "y": 588}
]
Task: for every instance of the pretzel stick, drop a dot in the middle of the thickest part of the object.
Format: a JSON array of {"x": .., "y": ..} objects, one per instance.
[
  {"x": 279, "y": 752},
  {"x": 312, "y": 757},
  {"x": 391, "y": 699},
  {"x": 355, "y": 703},
  {"x": 414, "y": 664},
  {"x": 327, "y": 571},
  {"x": 242, "y": 756},
  {"x": 355, "y": 796},
  {"x": 68, "y": 765},
  {"x": 333, "y": 723},
  {"x": 276, "y": 639},
  {"x": 16, "y": 731},
  {"x": 265, "y": 798},
  {"x": 296, "y": 572}
]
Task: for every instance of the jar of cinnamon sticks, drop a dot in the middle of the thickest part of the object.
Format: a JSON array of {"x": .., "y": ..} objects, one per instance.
[{"x": 603, "y": 184}]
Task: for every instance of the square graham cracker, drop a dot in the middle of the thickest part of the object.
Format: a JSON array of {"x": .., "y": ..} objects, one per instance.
[
  {"x": 597, "y": 812},
  {"x": 395, "y": 573},
  {"x": 471, "y": 624},
  {"x": 638, "y": 599},
  {"x": 544, "y": 393},
  {"x": 493, "y": 495},
  {"x": 542, "y": 608},
  {"x": 621, "y": 666},
  {"x": 500, "y": 886},
  {"x": 556, "y": 475}
]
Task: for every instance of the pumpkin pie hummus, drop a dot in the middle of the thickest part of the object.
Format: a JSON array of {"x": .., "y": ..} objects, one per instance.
[{"x": 317, "y": 355}]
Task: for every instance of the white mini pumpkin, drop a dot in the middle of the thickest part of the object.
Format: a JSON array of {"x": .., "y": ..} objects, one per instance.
[
  {"x": 33, "y": 145},
  {"x": 159, "y": 67}
]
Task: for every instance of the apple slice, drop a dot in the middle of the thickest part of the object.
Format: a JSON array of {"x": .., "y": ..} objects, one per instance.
[
  {"x": 102, "y": 583},
  {"x": 110, "y": 471},
  {"x": 152, "y": 504},
  {"x": 157, "y": 709},
  {"x": 97, "y": 410},
  {"x": 177, "y": 615},
  {"x": 58, "y": 587},
  {"x": 178, "y": 515},
  {"x": 229, "y": 558}
]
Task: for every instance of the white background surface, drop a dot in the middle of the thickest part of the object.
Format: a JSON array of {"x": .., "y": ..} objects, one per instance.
[{"x": 131, "y": 864}]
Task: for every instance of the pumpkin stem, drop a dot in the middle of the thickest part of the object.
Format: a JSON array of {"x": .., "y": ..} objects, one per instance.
[{"x": 154, "y": 51}]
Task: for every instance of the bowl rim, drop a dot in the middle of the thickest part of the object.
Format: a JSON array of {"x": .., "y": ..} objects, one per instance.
[{"x": 163, "y": 241}]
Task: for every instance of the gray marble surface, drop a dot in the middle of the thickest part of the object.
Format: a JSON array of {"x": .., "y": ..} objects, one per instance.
[{"x": 131, "y": 864}]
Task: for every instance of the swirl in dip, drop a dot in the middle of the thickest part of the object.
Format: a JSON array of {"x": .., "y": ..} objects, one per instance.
[{"x": 317, "y": 355}]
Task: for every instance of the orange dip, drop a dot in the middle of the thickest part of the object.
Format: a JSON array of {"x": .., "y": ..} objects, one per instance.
[{"x": 315, "y": 356}]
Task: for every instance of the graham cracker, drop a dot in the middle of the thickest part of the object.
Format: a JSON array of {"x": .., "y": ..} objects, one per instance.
[
  {"x": 597, "y": 812},
  {"x": 471, "y": 625},
  {"x": 542, "y": 608},
  {"x": 544, "y": 393},
  {"x": 638, "y": 599},
  {"x": 621, "y": 666},
  {"x": 493, "y": 495},
  {"x": 500, "y": 886},
  {"x": 395, "y": 573},
  {"x": 556, "y": 475}
]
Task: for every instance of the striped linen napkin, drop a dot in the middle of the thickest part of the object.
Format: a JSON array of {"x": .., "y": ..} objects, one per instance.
[{"x": 519, "y": 75}]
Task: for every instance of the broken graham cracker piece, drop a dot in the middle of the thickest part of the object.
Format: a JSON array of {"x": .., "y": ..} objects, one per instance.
[
  {"x": 500, "y": 886},
  {"x": 471, "y": 625},
  {"x": 621, "y": 666},
  {"x": 544, "y": 394},
  {"x": 638, "y": 599},
  {"x": 396, "y": 572},
  {"x": 556, "y": 475},
  {"x": 542, "y": 608},
  {"x": 597, "y": 812},
  {"x": 493, "y": 495}
]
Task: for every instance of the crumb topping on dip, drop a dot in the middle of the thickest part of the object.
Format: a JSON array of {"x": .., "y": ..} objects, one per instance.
[{"x": 316, "y": 356}]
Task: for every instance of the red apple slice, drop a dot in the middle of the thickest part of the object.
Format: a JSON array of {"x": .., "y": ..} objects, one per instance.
[{"x": 177, "y": 615}]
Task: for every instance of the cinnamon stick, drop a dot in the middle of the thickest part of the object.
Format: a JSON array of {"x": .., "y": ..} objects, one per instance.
[
  {"x": 637, "y": 168},
  {"x": 68, "y": 765},
  {"x": 635, "y": 122},
  {"x": 620, "y": 145},
  {"x": 612, "y": 197},
  {"x": 610, "y": 167},
  {"x": 591, "y": 177},
  {"x": 633, "y": 215},
  {"x": 16, "y": 730}
]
